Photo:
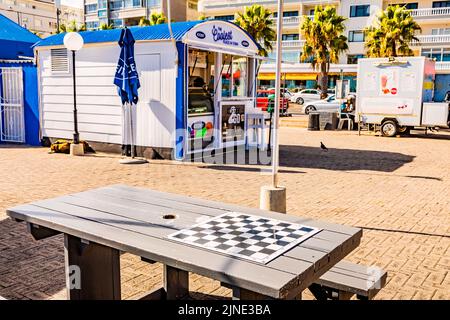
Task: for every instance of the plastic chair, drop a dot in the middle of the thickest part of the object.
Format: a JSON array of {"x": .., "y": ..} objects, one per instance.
[
  {"x": 345, "y": 117},
  {"x": 255, "y": 131}
]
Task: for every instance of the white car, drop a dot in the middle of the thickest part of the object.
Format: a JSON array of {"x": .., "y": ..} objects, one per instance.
[
  {"x": 307, "y": 95},
  {"x": 329, "y": 104}
]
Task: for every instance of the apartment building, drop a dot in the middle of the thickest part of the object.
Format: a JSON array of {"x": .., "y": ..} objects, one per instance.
[
  {"x": 68, "y": 14},
  {"x": 38, "y": 16},
  {"x": 128, "y": 12},
  {"x": 433, "y": 16}
]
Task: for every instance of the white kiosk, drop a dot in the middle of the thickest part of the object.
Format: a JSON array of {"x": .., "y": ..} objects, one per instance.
[{"x": 196, "y": 89}]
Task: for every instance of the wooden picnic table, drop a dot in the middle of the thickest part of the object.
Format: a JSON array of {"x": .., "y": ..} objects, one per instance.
[{"x": 100, "y": 224}]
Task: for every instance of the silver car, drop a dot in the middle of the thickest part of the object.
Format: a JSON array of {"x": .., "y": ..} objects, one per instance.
[
  {"x": 307, "y": 95},
  {"x": 327, "y": 104}
]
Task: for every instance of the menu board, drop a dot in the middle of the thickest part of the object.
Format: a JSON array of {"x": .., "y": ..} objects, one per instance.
[{"x": 233, "y": 122}]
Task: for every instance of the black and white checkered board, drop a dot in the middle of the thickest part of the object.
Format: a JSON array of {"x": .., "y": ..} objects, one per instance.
[{"x": 246, "y": 236}]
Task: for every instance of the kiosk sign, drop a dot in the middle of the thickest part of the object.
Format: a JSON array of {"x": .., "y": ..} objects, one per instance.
[{"x": 221, "y": 34}]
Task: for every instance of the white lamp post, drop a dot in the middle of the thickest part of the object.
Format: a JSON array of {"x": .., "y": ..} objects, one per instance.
[
  {"x": 274, "y": 197},
  {"x": 74, "y": 42}
]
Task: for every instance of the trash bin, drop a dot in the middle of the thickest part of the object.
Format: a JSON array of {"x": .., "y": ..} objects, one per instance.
[
  {"x": 314, "y": 121},
  {"x": 328, "y": 120}
]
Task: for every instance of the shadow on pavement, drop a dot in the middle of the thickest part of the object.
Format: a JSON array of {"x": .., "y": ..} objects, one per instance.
[{"x": 309, "y": 157}]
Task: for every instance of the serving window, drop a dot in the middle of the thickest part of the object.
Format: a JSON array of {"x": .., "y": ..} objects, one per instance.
[{"x": 235, "y": 79}]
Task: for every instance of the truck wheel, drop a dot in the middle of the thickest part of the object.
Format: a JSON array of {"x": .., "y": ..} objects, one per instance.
[
  {"x": 300, "y": 100},
  {"x": 389, "y": 128}
]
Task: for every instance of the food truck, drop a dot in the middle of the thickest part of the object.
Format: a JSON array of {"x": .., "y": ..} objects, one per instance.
[
  {"x": 397, "y": 94},
  {"x": 198, "y": 87}
]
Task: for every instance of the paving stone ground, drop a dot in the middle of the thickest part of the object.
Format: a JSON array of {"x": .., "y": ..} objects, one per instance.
[{"x": 397, "y": 189}]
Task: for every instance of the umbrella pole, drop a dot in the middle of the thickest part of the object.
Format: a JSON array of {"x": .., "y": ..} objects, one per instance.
[
  {"x": 133, "y": 160},
  {"x": 130, "y": 116}
]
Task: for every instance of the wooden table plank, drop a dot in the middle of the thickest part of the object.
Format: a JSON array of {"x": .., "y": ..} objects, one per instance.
[
  {"x": 142, "y": 194},
  {"x": 138, "y": 209},
  {"x": 303, "y": 270},
  {"x": 240, "y": 273},
  {"x": 130, "y": 219}
]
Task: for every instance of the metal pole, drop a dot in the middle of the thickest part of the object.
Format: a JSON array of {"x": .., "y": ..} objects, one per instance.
[
  {"x": 276, "y": 116},
  {"x": 76, "y": 135}
]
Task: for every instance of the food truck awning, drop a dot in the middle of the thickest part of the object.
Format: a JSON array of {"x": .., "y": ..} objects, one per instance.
[{"x": 211, "y": 35}]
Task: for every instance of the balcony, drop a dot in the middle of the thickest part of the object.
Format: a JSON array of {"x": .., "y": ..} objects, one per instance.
[
  {"x": 288, "y": 21},
  {"x": 431, "y": 13},
  {"x": 432, "y": 39},
  {"x": 443, "y": 66},
  {"x": 289, "y": 43}
]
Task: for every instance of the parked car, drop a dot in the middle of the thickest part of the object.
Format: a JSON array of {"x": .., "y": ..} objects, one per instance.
[
  {"x": 307, "y": 95},
  {"x": 329, "y": 104},
  {"x": 265, "y": 98}
]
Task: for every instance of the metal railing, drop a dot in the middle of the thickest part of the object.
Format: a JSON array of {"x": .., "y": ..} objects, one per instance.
[
  {"x": 430, "y": 12},
  {"x": 289, "y": 43},
  {"x": 443, "y": 65},
  {"x": 432, "y": 39},
  {"x": 288, "y": 20}
]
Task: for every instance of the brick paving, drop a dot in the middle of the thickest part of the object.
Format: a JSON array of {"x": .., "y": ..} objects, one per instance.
[{"x": 397, "y": 189}]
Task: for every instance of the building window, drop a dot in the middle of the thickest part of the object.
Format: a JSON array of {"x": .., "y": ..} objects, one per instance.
[
  {"x": 287, "y": 14},
  {"x": 37, "y": 22},
  {"x": 439, "y": 54},
  {"x": 90, "y": 8},
  {"x": 192, "y": 5},
  {"x": 117, "y": 22},
  {"x": 102, "y": 4},
  {"x": 356, "y": 36},
  {"x": 132, "y": 3},
  {"x": 153, "y": 3},
  {"x": 225, "y": 18},
  {"x": 102, "y": 13},
  {"x": 59, "y": 60},
  {"x": 440, "y": 31},
  {"x": 116, "y": 5},
  {"x": 360, "y": 11},
  {"x": 289, "y": 37},
  {"x": 290, "y": 56},
  {"x": 441, "y": 4},
  {"x": 353, "y": 58},
  {"x": 409, "y": 6},
  {"x": 92, "y": 25}
]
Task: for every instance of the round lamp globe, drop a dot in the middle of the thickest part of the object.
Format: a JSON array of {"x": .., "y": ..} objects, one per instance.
[{"x": 73, "y": 41}]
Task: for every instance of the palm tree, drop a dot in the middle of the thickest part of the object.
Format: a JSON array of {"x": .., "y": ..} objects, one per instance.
[
  {"x": 392, "y": 33},
  {"x": 154, "y": 19},
  {"x": 324, "y": 42},
  {"x": 256, "y": 20},
  {"x": 72, "y": 26},
  {"x": 105, "y": 26}
]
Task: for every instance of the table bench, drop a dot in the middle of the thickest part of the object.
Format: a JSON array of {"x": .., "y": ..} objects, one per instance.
[
  {"x": 100, "y": 224},
  {"x": 346, "y": 279}
]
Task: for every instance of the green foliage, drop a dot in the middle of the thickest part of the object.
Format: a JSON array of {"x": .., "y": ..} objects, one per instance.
[
  {"x": 324, "y": 41},
  {"x": 105, "y": 26},
  {"x": 72, "y": 26},
  {"x": 154, "y": 19},
  {"x": 392, "y": 33},
  {"x": 256, "y": 20}
]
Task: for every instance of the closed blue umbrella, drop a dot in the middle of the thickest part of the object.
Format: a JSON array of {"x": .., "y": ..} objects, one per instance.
[{"x": 126, "y": 77}]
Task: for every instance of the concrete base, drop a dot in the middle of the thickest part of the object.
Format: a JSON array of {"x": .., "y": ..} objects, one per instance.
[
  {"x": 273, "y": 199},
  {"x": 76, "y": 149}
]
